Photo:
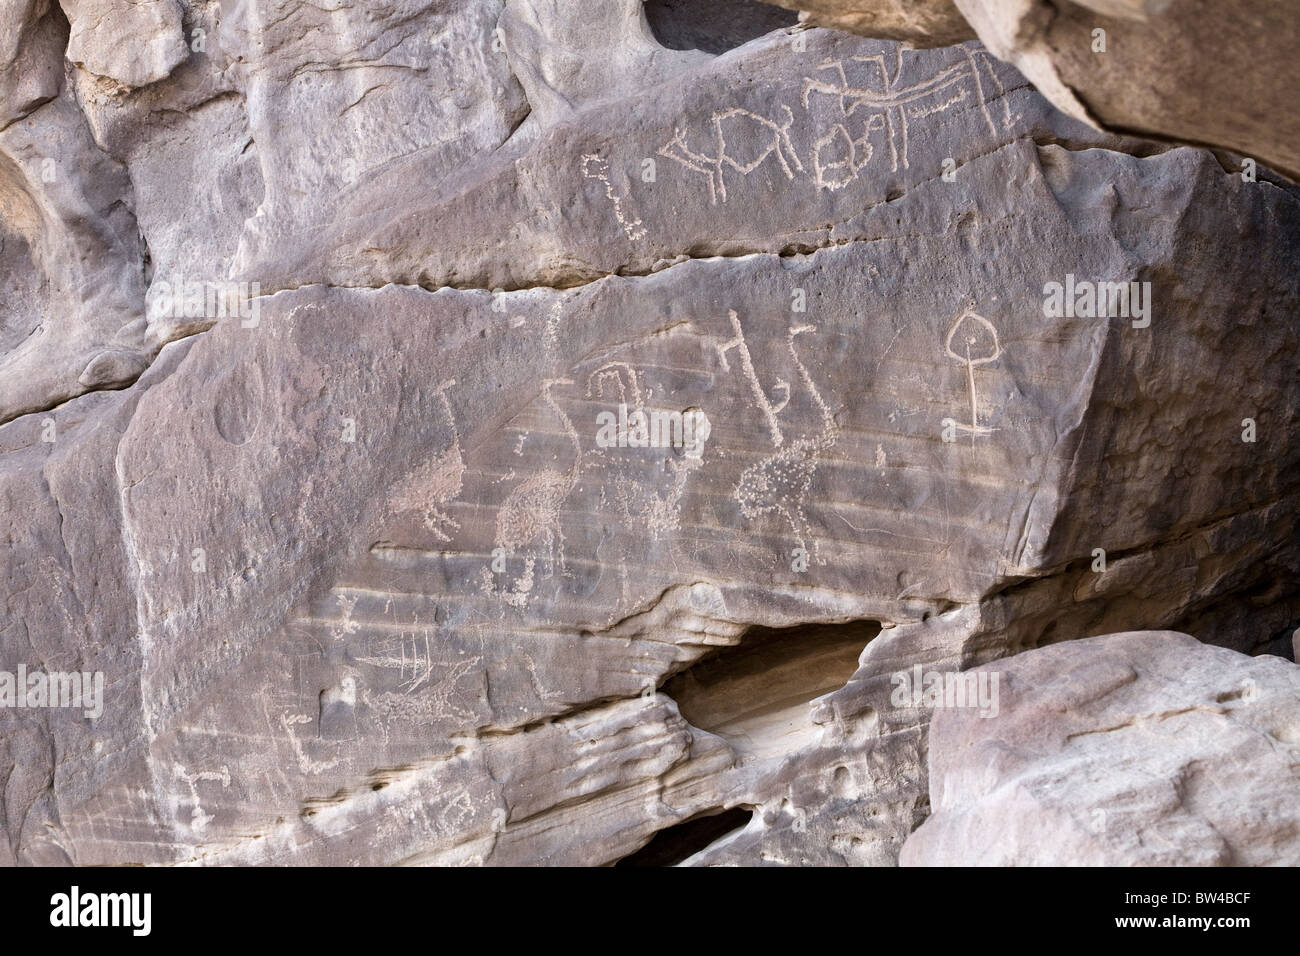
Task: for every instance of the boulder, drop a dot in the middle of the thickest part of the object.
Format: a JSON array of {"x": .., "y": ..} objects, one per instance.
[{"x": 1139, "y": 749}]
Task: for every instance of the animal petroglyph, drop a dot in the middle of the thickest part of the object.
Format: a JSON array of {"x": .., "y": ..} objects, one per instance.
[
  {"x": 531, "y": 510},
  {"x": 873, "y": 105},
  {"x": 199, "y": 820},
  {"x": 419, "y": 670},
  {"x": 597, "y": 167},
  {"x": 777, "y": 144},
  {"x": 769, "y": 409},
  {"x": 856, "y": 151},
  {"x": 972, "y": 340},
  {"x": 437, "y": 482},
  {"x": 885, "y": 103},
  {"x": 779, "y": 484},
  {"x": 305, "y": 762},
  {"x": 637, "y": 499}
]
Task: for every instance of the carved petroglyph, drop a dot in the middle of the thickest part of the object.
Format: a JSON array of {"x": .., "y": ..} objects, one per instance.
[
  {"x": 419, "y": 670},
  {"x": 346, "y": 625},
  {"x": 629, "y": 392},
  {"x": 516, "y": 594},
  {"x": 597, "y": 167},
  {"x": 438, "y": 482},
  {"x": 972, "y": 340},
  {"x": 553, "y": 319},
  {"x": 769, "y": 409},
  {"x": 976, "y": 57},
  {"x": 199, "y": 820},
  {"x": 637, "y": 499},
  {"x": 871, "y": 100},
  {"x": 881, "y": 94},
  {"x": 660, "y": 515},
  {"x": 856, "y": 151},
  {"x": 414, "y": 667},
  {"x": 445, "y": 813},
  {"x": 305, "y": 762},
  {"x": 779, "y": 484},
  {"x": 778, "y": 144},
  {"x": 458, "y": 809},
  {"x": 531, "y": 510}
]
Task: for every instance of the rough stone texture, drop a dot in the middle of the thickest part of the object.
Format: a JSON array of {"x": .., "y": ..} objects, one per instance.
[
  {"x": 1137, "y": 749},
  {"x": 133, "y": 42},
  {"x": 1190, "y": 71},
  {"x": 923, "y": 22},
  {"x": 363, "y": 583},
  {"x": 1224, "y": 78}
]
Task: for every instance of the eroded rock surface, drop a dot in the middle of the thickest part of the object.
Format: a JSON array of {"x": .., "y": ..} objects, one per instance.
[
  {"x": 1192, "y": 71},
  {"x": 923, "y": 22},
  {"x": 1138, "y": 749},
  {"x": 371, "y": 568}
]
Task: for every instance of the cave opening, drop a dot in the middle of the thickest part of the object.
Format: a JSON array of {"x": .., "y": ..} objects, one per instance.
[
  {"x": 757, "y": 694},
  {"x": 673, "y": 845},
  {"x": 713, "y": 26}
]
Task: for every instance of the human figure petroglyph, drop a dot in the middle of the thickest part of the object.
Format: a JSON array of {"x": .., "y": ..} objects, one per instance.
[
  {"x": 972, "y": 340},
  {"x": 779, "y": 484},
  {"x": 346, "y": 624},
  {"x": 531, "y": 510},
  {"x": 437, "y": 482},
  {"x": 778, "y": 145},
  {"x": 597, "y": 167}
]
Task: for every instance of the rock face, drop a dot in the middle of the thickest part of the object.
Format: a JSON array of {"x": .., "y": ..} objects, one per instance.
[
  {"x": 924, "y": 22},
  {"x": 1183, "y": 70},
  {"x": 497, "y": 433},
  {"x": 1139, "y": 749}
]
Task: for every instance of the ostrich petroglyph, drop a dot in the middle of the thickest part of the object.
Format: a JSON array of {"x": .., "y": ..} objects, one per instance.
[
  {"x": 639, "y": 500},
  {"x": 437, "y": 482},
  {"x": 532, "y": 508},
  {"x": 779, "y": 483}
]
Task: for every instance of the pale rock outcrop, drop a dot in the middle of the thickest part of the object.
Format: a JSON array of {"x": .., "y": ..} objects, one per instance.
[
  {"x": 33, "y": 36},
  {"x": 1137, "y": 749},
  {"x": 923, "y": 22},
  {"x": 568, "y": 54},
  {"x": 74, "y": 320},
  {"x": 132, "y": 42}
]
